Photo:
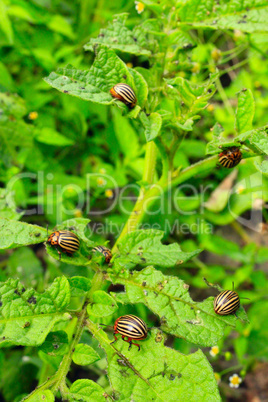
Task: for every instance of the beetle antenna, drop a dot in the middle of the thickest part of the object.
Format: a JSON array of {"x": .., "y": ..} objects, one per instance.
[
  {"x": 233, "y": 285},
  {"x": 106, "y": 325},
  {"x": 244, "y": 298}
]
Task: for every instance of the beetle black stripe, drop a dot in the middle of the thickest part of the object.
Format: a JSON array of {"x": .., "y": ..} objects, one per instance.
[
  {"x": 69, "y": 247},
  {"x": 140, "y": 321},
  {"x": 100, "y": 249},
  {"x": 230, "y": 158},
  {"x": 69, "y": 238},
  {"x": 132, "y": 327},
  {"x": 125, "y": 88},
  {"x": 126, "y": 92},
  {"x": 125, "y": 95},
  {"x": 68, "y": 241},
  {"x": 224, "y": 161}
]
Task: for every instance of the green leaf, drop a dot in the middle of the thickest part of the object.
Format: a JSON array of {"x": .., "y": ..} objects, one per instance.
[
  {"x": 24, "y": 265},
  {"x": 7, "y": 205},
  {"x": 168, "y": 297},
  {"x": 187, "y": 126},
  {"x": 15, "y": 134},
  {"x": 141, "y": 88},
  {"x": 262, "y": 167},
  {"x": 12, "y": 104},
  {"x": 256, "y": 139},
  {"x": 94, "y": 84},
  {"x": 159, "y": 372},
  {"x": 102, "y": 304},
  {"x": 51, "y": 137},
  {"x": 195, "y": 10},
  {"x": 259, "y": 139},
  {"x": 181, "y": 40},
  {"x": 17, "y": 234},
  {"x": 145, "y": 247},
  {"x": 56, "y": 344},
  {"x": 117, "y": 36},
  {"x": 26, "y": 316},
  {"x": 79, "y": 284},
  {"x": 152, "y": 125},
  {"x": 59, "y": 24},
  {"x": 84, "y": 355},
  {"x": 245, "y": 111},
  {"x": 5, "y": 23},
  {"x": 194, "y": 97},
  {"x": 87, "y": 391},
  {"x": 248, "y": 17},
  {"x": 122, "y": 125},
  {"x": 6, "y": 79},
  {"x": 41, "y": 396}
]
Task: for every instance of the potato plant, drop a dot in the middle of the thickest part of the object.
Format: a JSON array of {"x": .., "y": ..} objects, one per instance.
[{"x": 75, "y": 158}]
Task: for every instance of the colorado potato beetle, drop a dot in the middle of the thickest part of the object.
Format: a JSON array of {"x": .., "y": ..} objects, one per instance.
[
  {"x": 64, "y": 241},
  {"x": 230, "y": 157},
  {"x": 105, "y": 251},
  {"x": 130, "y": 327},
  {"x": 125, "y": 94},
  {"x": 227, "y": 302}
]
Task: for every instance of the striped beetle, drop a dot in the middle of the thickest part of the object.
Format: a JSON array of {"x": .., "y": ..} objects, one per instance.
[
  {"x": 105, "y": 251},
  {"x": 230, "y": 157},
  {"x": 227, "y": 302},
  {"x": 131, "y": 327},
  {"x": 125, "y": 94},
  {"x": 68, "y": 242}
]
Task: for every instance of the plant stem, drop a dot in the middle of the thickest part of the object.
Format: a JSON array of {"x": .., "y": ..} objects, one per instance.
[
  {"x": 58, "y": 381},
  {"x": 148, "y": 177},
  {"x": 145, "y": 201},
  {"x": 67, "y": 360},
  {"x": 164, "y": 158},
  {"x": 224, "y": 98},
  {"x": 150, "y": 160}
]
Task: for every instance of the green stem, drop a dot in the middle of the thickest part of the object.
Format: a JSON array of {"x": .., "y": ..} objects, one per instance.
[
  {"x": 145, "y": 202},
  {"x": 229, "y": 369},
  {"x": 67, "y": 360},
  {"x": 164, "y": 158},
  {"x": 48, "y": 384},
  {"x": 195, "y": 169},
  {"x": 58, "y": 381},
  {"x": 235, "y": 67},
  {"x": 224, "y": 98},
  {"x": 150, "y": 160},
  {"x": 61, "y": 374},
  {"x": 148, "y": 177}
]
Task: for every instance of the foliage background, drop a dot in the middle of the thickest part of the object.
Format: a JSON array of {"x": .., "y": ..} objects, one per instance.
[{"x": 69, "y": 138}]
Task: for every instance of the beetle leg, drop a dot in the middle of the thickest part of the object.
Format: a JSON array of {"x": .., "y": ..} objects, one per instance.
[
  {"x": 58, "y": 251},
  {"x": 129, "y": 340},
  {"x": 115, "y": 338}
]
